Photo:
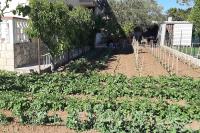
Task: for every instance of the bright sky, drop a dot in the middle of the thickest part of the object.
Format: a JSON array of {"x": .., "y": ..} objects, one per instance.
[{"x": 167, "y": 4}]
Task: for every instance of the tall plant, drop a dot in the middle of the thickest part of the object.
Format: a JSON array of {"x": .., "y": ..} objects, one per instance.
[
  {"x": 49, "y": 21},
  {"x": 118, "y": 14},
  {"x": 195, "y": 16},
  {"x": 81, "y": 26}
]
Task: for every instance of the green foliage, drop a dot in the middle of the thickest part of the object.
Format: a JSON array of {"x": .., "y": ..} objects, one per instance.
[
  {"x": 121, "y": 13},
  {"x": 48, "y": 21},
  {"x": 3, "y": 119},
  {"x": 58, "y": 27},
  {"x": 87, "y": 62},
  {"x": 128, "y": 28},
  {"x": 22, "y": 10},
  {"x": 106, "y": 103},
  {"x": 81, "y": 26},
  {"x": 195, "y": 16},
  {"x": 178, "y": 14},
  {"x": 80, "y": 121}
]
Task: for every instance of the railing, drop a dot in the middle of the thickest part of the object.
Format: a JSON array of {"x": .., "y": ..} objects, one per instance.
[
  {"x": 188, "y": 54},
  {"x": 65, "y": 57}
]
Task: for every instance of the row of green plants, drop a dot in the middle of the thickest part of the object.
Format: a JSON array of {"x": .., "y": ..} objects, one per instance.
[
  {"x": 110, "y": 103},
  {"x": 92, "y": 83},
  {"x": 94, "y": 60},
  {"x": 138, "y": 115}
]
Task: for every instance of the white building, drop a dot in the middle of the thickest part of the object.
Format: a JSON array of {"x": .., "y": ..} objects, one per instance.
[{"x": 176, "y": 33}]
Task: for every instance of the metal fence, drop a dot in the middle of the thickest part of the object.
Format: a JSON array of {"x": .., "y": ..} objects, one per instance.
[{"x": 63, "y": 58}]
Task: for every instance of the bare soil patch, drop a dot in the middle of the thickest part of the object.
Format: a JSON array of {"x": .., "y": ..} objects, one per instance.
[
  {"x": 151, "y": 67},
  {"x": 180, "y": 103},
  {"x": 126, "y": 64},
  {"x": 194, "y": 125},
  {"x": 123, "y": 64}
]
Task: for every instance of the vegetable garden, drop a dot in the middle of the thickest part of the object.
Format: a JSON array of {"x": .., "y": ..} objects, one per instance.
[
  {"x": 102, "y": 102},
  {"x": 80, "y": 98}
]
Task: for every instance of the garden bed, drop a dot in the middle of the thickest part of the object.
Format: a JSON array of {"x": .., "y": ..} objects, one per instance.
[{"x": 106, "y": 103}]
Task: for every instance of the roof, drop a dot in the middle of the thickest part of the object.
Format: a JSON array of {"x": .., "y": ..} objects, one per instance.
[{"x": 177, "y": 22}]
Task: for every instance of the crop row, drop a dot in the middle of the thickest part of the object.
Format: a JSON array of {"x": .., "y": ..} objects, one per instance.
[{"x": 92, "y": 83}]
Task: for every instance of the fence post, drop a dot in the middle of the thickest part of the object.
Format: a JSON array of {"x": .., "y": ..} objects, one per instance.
[
  {"x": 177, "y": 65},
  {"x": 39, "y": 67}
]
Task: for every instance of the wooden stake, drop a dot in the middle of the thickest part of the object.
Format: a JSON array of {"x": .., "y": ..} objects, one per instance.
[{"x": 177, "y": 65}]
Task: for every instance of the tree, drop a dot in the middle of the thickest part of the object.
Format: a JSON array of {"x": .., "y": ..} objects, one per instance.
[
  {"x": 2, "y": 9},
  {"x": 49, "y": 22},
  {"x": 195, "y": 16},
  {"x": 81, "y": 26},
  {"x": 121, "y": 13},
  {"x": 184, "y": 1},
  {"x": 178, "y": 14}
]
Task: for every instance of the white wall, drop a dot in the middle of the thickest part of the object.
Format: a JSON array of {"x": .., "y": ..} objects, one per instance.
[
  {"x": 6, "y": 45},
  {"x": 12, "y": 5},
  {"x": 182, "y": 34},
  {"x": 162, "y": 32}
]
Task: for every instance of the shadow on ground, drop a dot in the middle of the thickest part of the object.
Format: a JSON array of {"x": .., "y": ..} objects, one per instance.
[{"x": 97, "y": 59}]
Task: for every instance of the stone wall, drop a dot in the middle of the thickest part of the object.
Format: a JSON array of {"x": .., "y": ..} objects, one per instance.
[{"x": 25, "y": 54}]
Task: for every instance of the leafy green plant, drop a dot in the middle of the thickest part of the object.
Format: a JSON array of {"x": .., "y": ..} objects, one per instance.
[{"x": 4, "y": 119}]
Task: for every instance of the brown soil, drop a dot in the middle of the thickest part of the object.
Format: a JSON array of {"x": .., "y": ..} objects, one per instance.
[
  {"x": 15, "y": 127},
  {"x": 194, "y": 125},
  {"x": 150, "y": 66},
  {"x": 61, "y": 114},
  {"x": 123, "y": 64},
  {"x": 126, "y": 64},
  {"x": 18, "y": 128},
  {"x": 180, "y": 103}
]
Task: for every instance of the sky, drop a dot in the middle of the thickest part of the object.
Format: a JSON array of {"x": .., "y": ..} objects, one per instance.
[{"x": 167, "y": 4}]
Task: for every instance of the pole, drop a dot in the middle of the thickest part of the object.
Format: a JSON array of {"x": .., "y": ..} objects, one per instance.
[
  {"x": 177, "y": 65},
  {"x": 181, "y": 41},
  {"x": 39, "y": 67}
]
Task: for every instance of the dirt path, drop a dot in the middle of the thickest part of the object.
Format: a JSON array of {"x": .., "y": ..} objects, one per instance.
[
  {"x": 126, "y": 64},
  {"x": 123, "y": 64},
  {"x": 150, "y": 66}
]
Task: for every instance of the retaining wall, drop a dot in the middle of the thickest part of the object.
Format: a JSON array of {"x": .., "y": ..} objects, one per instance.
[{"x": 184, "y": 56}]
